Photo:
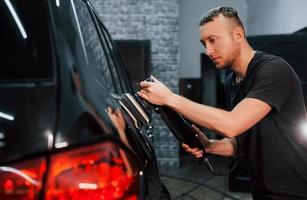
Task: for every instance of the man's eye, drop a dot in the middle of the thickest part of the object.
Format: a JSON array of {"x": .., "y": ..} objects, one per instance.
[{"x": 212, "y": 40}]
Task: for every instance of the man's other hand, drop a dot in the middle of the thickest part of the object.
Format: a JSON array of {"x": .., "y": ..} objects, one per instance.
[{"x": 196, "y": 152}]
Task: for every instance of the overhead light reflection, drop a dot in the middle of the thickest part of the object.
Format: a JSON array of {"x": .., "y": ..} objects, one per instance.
[
  {"x": 6, "y": 116},
  {"x": 57, "y": 2},
  {"x": 49, "y": 139},
  {"x": 79, "y": 29},
  {"x": 20, "y": 173},
  {"x": 16, "y": 18},
  {"x": 61, "y": 145},
  {"x": 304, "y": 130},
  {"x": 88, "y": 186}
]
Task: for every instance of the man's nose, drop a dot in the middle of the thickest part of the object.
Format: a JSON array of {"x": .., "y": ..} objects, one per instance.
[{"x": 209, "y": 50}]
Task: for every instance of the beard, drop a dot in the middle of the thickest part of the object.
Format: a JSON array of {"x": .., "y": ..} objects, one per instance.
[
  {"x": 224, "y": 66},
  {"x": 228, "y": 63}
]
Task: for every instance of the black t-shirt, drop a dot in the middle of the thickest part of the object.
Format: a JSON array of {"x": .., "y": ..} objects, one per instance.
[{"x": 275, "y": 147}]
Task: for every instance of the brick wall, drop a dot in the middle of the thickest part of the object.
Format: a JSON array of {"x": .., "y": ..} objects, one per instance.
[{"x": 157, "y": 21}]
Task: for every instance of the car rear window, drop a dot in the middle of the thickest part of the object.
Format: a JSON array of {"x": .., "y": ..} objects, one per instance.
[{"x": 25, "y": 50}]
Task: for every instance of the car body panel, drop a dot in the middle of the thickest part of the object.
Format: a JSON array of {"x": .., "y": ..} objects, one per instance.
[{"x": 75, "y": 105}]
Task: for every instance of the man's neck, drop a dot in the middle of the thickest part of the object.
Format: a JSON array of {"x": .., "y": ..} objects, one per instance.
[{"x": 241, "y": 63}]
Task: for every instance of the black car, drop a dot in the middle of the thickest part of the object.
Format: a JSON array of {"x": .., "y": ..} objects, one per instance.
[{"x": 65, "y": 133}]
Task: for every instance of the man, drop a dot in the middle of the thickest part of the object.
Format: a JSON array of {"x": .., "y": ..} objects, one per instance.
[{"x": 266, "y": 109}]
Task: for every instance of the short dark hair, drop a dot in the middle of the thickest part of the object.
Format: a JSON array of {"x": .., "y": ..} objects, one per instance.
[{"x": 225, "y": 11}]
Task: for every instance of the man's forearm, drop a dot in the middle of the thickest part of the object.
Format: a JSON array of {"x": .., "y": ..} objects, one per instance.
[
  {"x": 230, "y": 124},
  {"x": 212, "y": 118},
  {"x": 225, "y": 147}
]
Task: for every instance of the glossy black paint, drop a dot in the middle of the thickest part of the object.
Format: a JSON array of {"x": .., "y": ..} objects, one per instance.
[
  {"x": 27, "y": 80},
  {"x": 68, "y": 108},
  {"x": 33, "y": 108}
]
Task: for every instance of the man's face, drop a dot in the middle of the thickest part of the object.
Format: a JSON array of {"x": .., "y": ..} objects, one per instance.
[{"x": 219, "y": 41}]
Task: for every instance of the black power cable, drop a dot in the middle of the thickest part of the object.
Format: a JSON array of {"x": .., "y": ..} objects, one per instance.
[{"x": 205, "y": 160}]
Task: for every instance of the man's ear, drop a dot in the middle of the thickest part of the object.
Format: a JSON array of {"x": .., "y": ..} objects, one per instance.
[{"x": 239, "y": 34}]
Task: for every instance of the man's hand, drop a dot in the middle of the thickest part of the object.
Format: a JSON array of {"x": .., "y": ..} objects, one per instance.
[
  {"x": 196, "y": 152},
  {"x": 155, "y": 92}
]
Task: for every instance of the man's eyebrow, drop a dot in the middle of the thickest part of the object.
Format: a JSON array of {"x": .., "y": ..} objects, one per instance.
[{"x": 212, "y": 36}]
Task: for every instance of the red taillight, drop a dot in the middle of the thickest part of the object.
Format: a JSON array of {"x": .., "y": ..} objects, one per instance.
[
  {"x": 99, "y": 172},
  {"x": 22, "y": 181}
]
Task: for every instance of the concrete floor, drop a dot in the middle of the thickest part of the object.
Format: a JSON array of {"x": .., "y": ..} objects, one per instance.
[{"x": 192, "y": 181}]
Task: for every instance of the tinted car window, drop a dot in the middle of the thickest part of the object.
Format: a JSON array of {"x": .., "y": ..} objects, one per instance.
[
  {"x": 25, "y": 51},
  {"x": 110, "y": 53},
  {"x": 114, "y": 55},
  {"x": 95, "y": 49}
]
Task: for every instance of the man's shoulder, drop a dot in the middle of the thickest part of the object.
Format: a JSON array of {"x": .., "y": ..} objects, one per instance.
[{"x": 271, "y": 63}]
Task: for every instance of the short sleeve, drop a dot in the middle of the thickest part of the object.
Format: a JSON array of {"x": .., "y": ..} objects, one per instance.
[{"x": 272, "y": 83}]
